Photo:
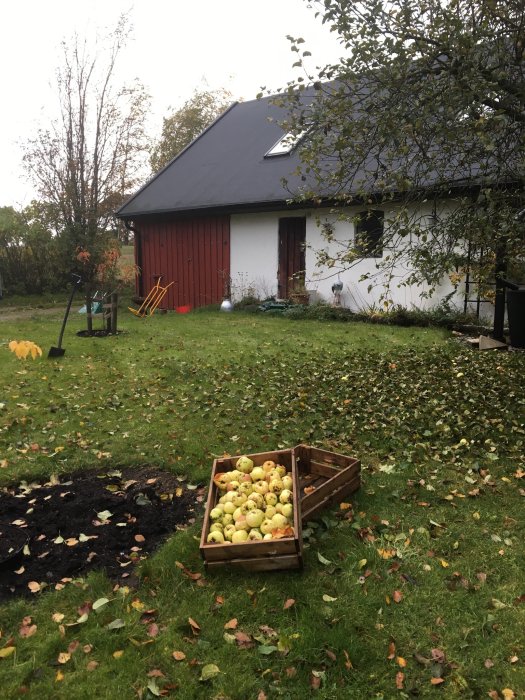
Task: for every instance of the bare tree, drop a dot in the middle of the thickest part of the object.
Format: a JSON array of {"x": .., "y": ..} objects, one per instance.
[{"x": 91, "y": 156}]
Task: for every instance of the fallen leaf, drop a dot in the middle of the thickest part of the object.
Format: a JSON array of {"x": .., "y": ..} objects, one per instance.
[
  {"x": 400, "y": 679},
  {"x": 508, "y": 694},
  {"x": 139, "y": 538},
  {"x": 153, "y": 629},
  {"x": 401, "y": 661},
  {"x": 348, "y": 663},
  {"x": 244, "y": 641},
  {"x": 99, "y": 603},
  {"x": 437, "y": 681},
  {"x": 391, "y": 651},
  {"x": 34, "y": 586},
  {"x": 57, "y": 617},
  {"x": 92, "y": 665},
  {"x": 397, "y": 596},
  {"x": 195, "y": 628},
  {"x": 155, "y": 673},
  {"x": 179, "y": 655},
  {"x": 231, "y": 624},
  {"x": 27, "y": 629},
  {"x": 63, "y": 657},
  {"x": 118, "y": 654},
  {"x": 208, "y": 672},
  {"x": 7, "y": 651},
  {"x": 288, "y": 603},
  {"x": 488, "y": 663},
  {"x": 59, "y": 676}
]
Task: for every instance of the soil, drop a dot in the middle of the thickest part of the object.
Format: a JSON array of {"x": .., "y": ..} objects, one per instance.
[{"x": 53, "y": 533}]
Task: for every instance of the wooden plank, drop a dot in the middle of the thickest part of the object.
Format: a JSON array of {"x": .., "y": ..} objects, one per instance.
[
  {"x": 323, "y": 469},
  {"x": 310, "y": 509},
  {"x": 293, "y": 561}
]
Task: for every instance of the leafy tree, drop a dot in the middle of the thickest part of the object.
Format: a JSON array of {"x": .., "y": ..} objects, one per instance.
[
  {"x": 428, "y": 103},
  {"x": 90, "y": 157},
  {"x": 186, "y": 123}
]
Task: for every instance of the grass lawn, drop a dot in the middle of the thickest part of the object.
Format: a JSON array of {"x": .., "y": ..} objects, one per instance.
[{"x": 418, "y": 589}]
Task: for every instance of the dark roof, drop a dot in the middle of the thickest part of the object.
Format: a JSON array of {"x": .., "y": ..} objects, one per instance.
[{"x": 224, "y": 168}]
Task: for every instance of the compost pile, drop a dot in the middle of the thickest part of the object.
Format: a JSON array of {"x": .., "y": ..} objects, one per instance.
[{"x": 53, "y": 533}]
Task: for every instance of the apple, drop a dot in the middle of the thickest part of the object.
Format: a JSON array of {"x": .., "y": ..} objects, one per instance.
[
  {"x": 216, "y": 512},
  {"x": 239, "y": 536},
  {"x": 246, "y": 488},
  {"x": 257, "y": 474},
  {"x": 260, "y": 487},
  {"x": 241, "y": 523},
  {"x": 268, "y": 465},
  {"x": 248, "y": 505},
  {"x": 276, "y": 486},
  {"x": 270, "y": 511},
  {"x": 286, "y": 496},
  {"x": 229, "y": 507},
  {"x": 273, "y": 474},
  {"x": 271, "y": 499},
  {"x": 255, "y": 534},
  {"x": 216, "y": 527},
  {"x": 244, "y": 464},
  {"x": 257, "y": 499},
  {"x": 228, "y": 532},
  {"x": 239, "y": 499},
  {"x": 254, "y": 517},
  {"x": 232, "y": 485},
  {"x": 287, "y": 510},
  {"x": 278, "y": 521},
  {"x": 281, "y": 470},
  {"x": 268, "y": 536},
  {"x": 215, "y": 537},
  {"x": 228, "y": 497},
  {"x": 266, "y": 526},
  {"x": 288, "y": 482},
  {"x": 227, "y": 519},
  {"x": 279, "y": 507},
  {"x": 221, "y": 480}
]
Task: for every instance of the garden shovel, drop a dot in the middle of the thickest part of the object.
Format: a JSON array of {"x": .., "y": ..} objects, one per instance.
[{"x": 59, "y": 350}]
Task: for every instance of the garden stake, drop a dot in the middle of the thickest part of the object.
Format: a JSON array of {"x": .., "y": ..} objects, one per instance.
[{"x": 59, "y": 351}]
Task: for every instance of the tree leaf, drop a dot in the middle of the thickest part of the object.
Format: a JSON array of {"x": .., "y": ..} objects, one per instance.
[
  {"x": 323, "y": 560},
  {"x": 209, "y": 671},
  {"x": 116, "y": 624},
  {"x": 100, "y": 603}
]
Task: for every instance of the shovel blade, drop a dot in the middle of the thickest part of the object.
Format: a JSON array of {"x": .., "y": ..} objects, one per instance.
[{"x": 56, "y": 352}]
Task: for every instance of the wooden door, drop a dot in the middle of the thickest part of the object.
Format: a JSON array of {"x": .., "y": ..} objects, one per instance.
[{"x": 292, "y": 259}]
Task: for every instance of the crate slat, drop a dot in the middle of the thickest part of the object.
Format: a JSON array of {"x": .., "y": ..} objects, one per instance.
[{"x": 283, "y": 562}]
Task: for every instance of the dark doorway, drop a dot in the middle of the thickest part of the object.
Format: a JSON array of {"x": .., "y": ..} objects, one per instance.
[{"x": 292, "y": 241}]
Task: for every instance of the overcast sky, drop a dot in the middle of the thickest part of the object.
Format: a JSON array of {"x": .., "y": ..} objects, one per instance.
[{"x": 177, "y": 46}]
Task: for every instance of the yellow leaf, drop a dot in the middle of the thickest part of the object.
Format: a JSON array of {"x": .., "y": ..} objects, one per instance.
[
  {"x": 401, "y": 661},
  {"x": 443, "y": 563},
  {"x": 6, "y": 651},
  {"x": 508, "y": 694},
  {"x": 33, "y": 586},
  {"x": 345, "y": 506},
  {"x": 179, "y": 655},
  {"x": 117, "y": 654},
  {"x": 178, "y": 492},
  {"x": 59, "y": 676},
  {"x": 63, "y": 657},
  {"x": 386, "y": 553}
]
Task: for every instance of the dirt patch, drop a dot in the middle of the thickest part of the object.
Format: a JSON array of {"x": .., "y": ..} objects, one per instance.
[
  {"x": 55, "y": 532},
  {"x": 15, "y": 313}
]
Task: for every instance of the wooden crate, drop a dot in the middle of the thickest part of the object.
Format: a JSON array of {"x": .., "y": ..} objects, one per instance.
[
  {"x": 259, "y": 555},
  {"x": 333, "y": 477}
]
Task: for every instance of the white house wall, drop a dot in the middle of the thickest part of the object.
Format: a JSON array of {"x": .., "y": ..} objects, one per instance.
[{"x": 254, "y": 264}]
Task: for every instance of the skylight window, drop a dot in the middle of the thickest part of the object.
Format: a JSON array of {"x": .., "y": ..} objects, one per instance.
[{"x": 285, "y": 144}]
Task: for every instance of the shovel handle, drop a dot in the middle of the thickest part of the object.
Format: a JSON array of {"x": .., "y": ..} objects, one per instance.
[{"x": 76, "y": 281}]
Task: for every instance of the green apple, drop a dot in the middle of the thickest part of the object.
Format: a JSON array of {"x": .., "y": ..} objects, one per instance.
[
  {"x": 229, "y": 507},
  {"x": 221, "y": 480},
  {"x": 217, "y": 512},
  {"x": 228, "y": 497},
  {"x": 286, "y": 496},
  {"x": 246, "y": 488},
  {"x": 216, "y": 527},
  {"x": 279, "y": 507},
  {"x": 268, "y": 536},
  {"x": 241, "y": 523},
  {"x": 258, "y": 500},
  {"x": 266, "y": 526},
  {"x": 255, "y": 534},
  {"x": 288, "y": 482},
  {"x": 226, "y": 519},
  {"x": 281, "y": 470},
  {"x": 270, "y": 511},
  {"x": 260, "y": 487},
  {"x": 244, "y": 464},
  {"x": 232, "y": 485},
  {"x": 239, "y": 499},
  {"x": 268, "y": 465},
  {"x": 228, "y": 532},
  {"x": 287, "y": 510},
  {"x": 276, "y": 486},
  {"x": 271, "y": 498},
  {"x": 248, "y": 505},
  {"x": 254, "y": 517},
  {"x": 257, "y": 474},
  {"x": 279, "y": 521},
  {"x": 215, "y": 537},
  {"x": 237, "y": 514},
  {"x": 239, "y": 536}
]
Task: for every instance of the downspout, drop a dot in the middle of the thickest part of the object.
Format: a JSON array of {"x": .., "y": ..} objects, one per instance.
[{"x": 137, "y": 244}]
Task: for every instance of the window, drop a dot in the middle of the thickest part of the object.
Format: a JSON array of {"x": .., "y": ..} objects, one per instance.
[
  {"x": 369, "y": 227},
  {"x": 285, "y": 144}
]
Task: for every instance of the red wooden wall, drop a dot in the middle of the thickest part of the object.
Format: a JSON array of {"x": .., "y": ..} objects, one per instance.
[{"x": 193, "y": 253}]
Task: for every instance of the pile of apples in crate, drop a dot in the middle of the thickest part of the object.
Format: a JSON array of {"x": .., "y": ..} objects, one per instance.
[{"x": 256, "y": 503}]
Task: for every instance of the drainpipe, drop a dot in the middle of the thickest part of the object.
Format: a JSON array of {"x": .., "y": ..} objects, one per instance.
[{"x": 137, "y": 243}]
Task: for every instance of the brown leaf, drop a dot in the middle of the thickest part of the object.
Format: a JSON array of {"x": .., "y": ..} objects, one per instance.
[
  {"x": 155, "y": 673},
  {"x": 92, "y": 665},
  {"x": 34, "y": 586},
  {"x": 401, "y": 661},
  {"x": 194, "y": 625},
  {"x": 437, "y": 681},
  {"x": 63, "y": 657},
  {"x": 26, "y": 628},
  {"x": 153, "y": 629},
  {"x": 57, "y": 617},
  {"x": 288, "y": 603},
  {"x": 391, "y": 651},
  {"x": 231, "y": 624},
  {"x": 400, "y": 679},
  {"x": 348, "y": 663},
  {"x": 219, "y": 600},
  {"x": 244, "y": 641},
  {"x": 488, "y": 663},
  {"x": 397, "y": 596},
  {"x": 438, "y": 656},
  {"x": 291, "y": 672},
  {"x": 73, "y": 646},
  {"x": 494, "y": 695},
  {"x": 262, "y": 695},
  {"x": 315, "y": 682},
  {"x": 179, "y": 655},
  {"x": 331, "y": 655},
  {"x": 139, "y": 538}
]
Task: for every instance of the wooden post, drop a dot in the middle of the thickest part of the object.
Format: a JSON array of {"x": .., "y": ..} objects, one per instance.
[
  {"x": 114, "y": 310},
  {"x": 89, "y": 315},
  {"x": 499, "y": 301}
]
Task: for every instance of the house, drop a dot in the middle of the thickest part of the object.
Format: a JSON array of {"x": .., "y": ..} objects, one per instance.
[{"x": 218, "y": 220}]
